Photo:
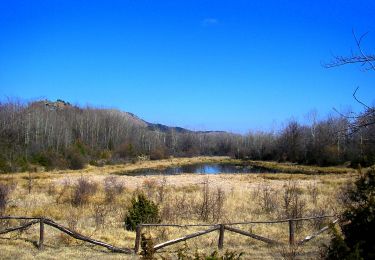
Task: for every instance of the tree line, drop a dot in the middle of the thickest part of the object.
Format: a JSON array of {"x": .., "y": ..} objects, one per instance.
[{"x": 59, "y": 135}]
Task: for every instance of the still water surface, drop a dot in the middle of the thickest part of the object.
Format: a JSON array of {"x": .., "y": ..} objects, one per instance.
[{"x": 203, "y": 168}]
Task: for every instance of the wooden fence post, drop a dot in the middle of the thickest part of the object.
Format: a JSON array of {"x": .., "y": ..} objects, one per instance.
[
  {"x": 221, "y": 236},
  {"x": 41, "y": 234},
  {"x": 138, "y": 230},
  {"x": 291, "y": 232}
]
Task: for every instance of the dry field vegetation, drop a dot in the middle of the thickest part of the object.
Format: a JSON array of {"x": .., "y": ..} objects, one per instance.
[{"x": 94, "y": 202}]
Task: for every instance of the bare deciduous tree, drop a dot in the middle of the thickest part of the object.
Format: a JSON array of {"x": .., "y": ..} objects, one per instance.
[{"x": 361, "y": 125}]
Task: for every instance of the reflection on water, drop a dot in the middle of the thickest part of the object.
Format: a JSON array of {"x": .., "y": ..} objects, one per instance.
[{"x": 206, "y": 168}]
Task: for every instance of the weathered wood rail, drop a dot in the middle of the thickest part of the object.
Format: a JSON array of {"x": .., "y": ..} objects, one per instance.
[
  {"x": 228, "y": 226},
  {"x": 221, "y": 228},
  {"x": 45, "y": 221}
]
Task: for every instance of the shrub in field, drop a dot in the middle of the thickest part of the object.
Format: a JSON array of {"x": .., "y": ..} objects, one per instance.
[
  {"x": 181, "y": 206},
  {"x": 4, "y": 197},
  {"x": 356, "y": 241},
  {"x": 183, "y": 254},
  {"x": 215, "y": 255},
  {"x": 76, "y": 160},
  {"x": 205, "y": 206},
  {"x": 313, "y": 192},
  {"x": 147, "y": 245},
  {"x": 149, "y": 185},
  {"x": 112, "y": 187},
  {"x": 50, "y": 160},
  {"x": 290, "y": 252},
  {"x": 318, "y": 223},
  {"x": 291, "y": 200},
  {"x": 338, "y": 248},
  {"x": 42, "y": 159},
  {"x": 126, "y": 151},
  {"x": 266, "y": 198},
  {"x": 63, "y": 192},
  {"x": 83, "y": 191},
  {"x": 4, "y": 165},
  {"x": 73, "y": 218},
  {"x": 158, "y": 153},
  {"x": 161, "y": 189},
  {"x": 141, "y": 210},
  {"x": 218, "y": 204},
  {"x": 101, "y": 212},
  {"x": 212, "y": 204},
  {"x": 294, "y": 205}
]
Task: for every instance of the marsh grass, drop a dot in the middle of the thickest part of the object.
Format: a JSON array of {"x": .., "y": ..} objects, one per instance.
[
  {"x": 182, "y": 199},
  {"x": 304, "y": 169}
]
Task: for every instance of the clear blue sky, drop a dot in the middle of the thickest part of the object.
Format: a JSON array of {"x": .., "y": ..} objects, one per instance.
[{"x": 218, "y": 65}]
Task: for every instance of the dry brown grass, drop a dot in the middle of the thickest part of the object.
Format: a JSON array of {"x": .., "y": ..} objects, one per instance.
[{"x": 180, "y": 198}]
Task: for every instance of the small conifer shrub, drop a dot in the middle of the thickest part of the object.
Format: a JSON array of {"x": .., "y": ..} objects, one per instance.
[{"x": 140, "y": 211}]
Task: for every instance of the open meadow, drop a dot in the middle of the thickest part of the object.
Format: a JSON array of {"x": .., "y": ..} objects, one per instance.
[{"x": 94, "y": 202}]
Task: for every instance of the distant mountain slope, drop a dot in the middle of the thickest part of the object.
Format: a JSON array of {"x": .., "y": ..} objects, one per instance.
[
  {"x": 134, "y": 119},
  {"x": 165, "y": 128}
]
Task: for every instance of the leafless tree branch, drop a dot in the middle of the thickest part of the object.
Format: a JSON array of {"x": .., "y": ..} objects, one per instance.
[
  {"x": 366, "y": 60},
  {"x": 358, "y": 120},
  {"x": 359, "y": 101}
]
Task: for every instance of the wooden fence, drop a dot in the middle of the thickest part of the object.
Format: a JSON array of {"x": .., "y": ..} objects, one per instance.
[
  {"x": 211, "y": 228},
  {"x": 229, "y": 227},
  {"x": 49, "y": 222}
]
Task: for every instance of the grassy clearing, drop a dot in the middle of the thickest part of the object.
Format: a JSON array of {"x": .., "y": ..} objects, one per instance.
[
  {"x": 304, "y": 169},
  {"x": 181, "y": 199},
  {"x": 118, "y": 168}
]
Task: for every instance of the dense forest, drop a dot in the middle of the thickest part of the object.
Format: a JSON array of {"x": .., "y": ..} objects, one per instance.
[{"x": 58, "y": 135}]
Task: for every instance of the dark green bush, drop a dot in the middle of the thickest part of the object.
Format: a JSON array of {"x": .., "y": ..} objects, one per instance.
[
  {"x": 4, "y": 165},
  {"x": 23, "y": 164},
  {"x": 50, "y": 160},
  {"x": 356, "y": 241},
  {"x": 339, "y": 249},
  {"x": 76, "y": 161},
  {"x": 141, "y": 210},
  {"x": 80, "y": 147},
  {"x": 41, "y": 159}
]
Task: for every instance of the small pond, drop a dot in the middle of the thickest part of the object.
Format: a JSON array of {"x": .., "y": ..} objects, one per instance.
[{"x": 202, "y": 168}]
